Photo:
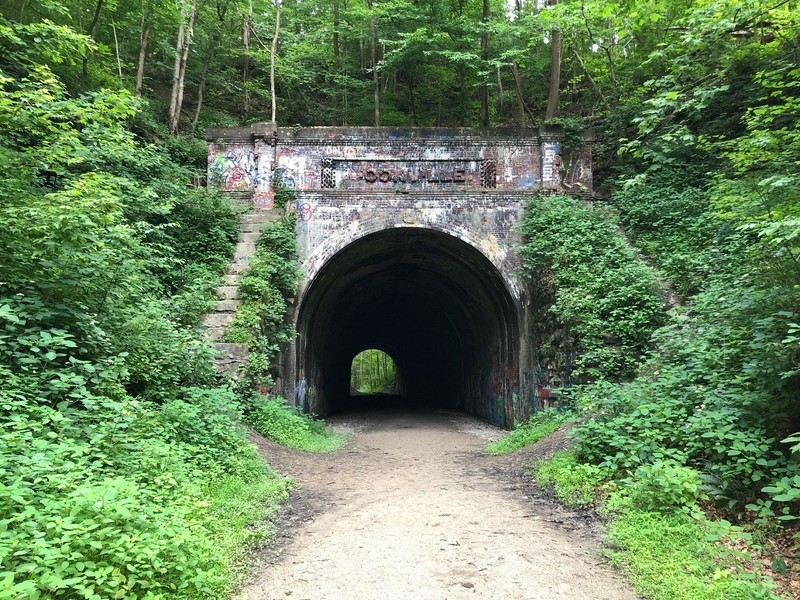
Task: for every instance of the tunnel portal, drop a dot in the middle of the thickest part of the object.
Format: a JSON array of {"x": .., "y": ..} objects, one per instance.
[
  {"x": 431, "y": 301},
  {"x": 406, "y": 243}
]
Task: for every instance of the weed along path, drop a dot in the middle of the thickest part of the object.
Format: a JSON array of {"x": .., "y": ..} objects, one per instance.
[{"x": 413, "y": 508}]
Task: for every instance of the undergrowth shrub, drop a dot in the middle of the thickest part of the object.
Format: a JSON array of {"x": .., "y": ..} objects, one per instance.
[
  {"x": 668, "y": 215},
  {"x": 674, "y": 555},
  {"x": 604, "y": 294},
  {"x": 717, "y": 397},
  {"x": 286, "y": 425},
  {"x": 260, "y": 320},
  {"x": 573, "y": 482},
  {"x": 162, "y": 355},
  {"x": 538, "y": 426},
  {"x": 195, "y": 295},
  {"x": 111, "y": 498},
  {"x": 661, "y": 486},
  {"x": 241, "y": 513},
  {"x": 200, "y": 230}
]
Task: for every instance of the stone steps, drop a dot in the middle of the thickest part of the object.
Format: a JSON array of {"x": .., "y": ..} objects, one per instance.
[
  {"x": 228, "y": 292},
  {"x": 232, "y": 356},
  {"x": 216, "y": 324}
]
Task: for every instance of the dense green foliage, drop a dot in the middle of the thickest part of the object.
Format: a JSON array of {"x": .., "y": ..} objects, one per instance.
[
  {"x": 658, "y": 535},
  {"x": 539, "y": 426},
  {"x": 286, "y": 425},
  {"x": 119, "y": 498},
  {"x": 372, "y": 372},
  {"x": 432, "y": 65},
  {"x": 574, "y": 483},
  {"x": 264, "y": 289},
  {"x": 707, "y": 191},
  {"x": 600, "y": 290},
  {"x": 676, "y": 556},
  {"x": 719, "y": 394},
  {"x": 119, "y": 457},
  {"x": 668, "y": 216},
  {"x": 701, "y": 112}
]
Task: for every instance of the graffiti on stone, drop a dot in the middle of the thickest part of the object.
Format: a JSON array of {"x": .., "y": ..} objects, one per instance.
[
  {"x": 233, "y": 170},
  {"x": 264, "y": 199},
  {"x": 580, "y": 172},
  {"x": 305, "y": 211},
  {"x": 550, "y": 162},
  {"x": 422, "y": 173},
  {"x": 528, "y": 181}
]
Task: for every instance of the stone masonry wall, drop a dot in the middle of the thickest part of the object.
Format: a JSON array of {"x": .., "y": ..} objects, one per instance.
[
  {"x": 352, "y": 182},
  {"x": 383, "y": 159}
]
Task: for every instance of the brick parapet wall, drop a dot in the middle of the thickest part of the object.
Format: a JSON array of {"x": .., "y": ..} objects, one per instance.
[{"x": 379, "y": 159}]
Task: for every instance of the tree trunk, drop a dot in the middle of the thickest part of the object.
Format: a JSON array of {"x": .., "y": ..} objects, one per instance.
[
  {"x": 555, "y": 71},
  {"x": 336, "y": 62},
  {"x": 184, "y": 62},
  {"x": 246, "y": 28},
  {"x": 521, "y": 118},
  {"x": 147, "y": 22},
  {"x": 336, "y": 33},
  {"x": 273, "y": 51},
  {"x": 485, "y": 57},
  {"x": 89, "y": 33},
  {"x": 612, "y": 66},
  {"x": 376, "y": 84},
  {"x": 589, "y": 77},
  {"x": 116, "y": 50},
  {"x": 413, "y": 103},
  {"x": 176, "y": 73},
  {"x": 500, "y": 91},
  {"x": 199, "y": 106},
  {"x": 179, "y": 76},
  {"x": 203, "y": 76}
]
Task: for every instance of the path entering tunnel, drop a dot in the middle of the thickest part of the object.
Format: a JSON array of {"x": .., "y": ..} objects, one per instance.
[{"x": 433, "y": 302}]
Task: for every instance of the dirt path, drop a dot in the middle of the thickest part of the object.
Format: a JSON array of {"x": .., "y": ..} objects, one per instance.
[{"x": 413, "y": 509}]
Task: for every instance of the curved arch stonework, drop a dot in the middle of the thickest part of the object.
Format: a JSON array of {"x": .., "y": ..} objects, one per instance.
[
  {"x": 407, "y": 239},
  {"x": 482, "y": 225}
]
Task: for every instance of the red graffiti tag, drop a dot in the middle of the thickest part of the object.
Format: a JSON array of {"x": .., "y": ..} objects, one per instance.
[
  {"x": 263, "y": 200},
  {"x": 306, "y": 212}
]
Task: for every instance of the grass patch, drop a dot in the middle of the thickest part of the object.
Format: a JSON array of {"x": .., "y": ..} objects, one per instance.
[
  {"x": 574, "y": 483},
  {"x": 539, "y": 426},
  {"x": 285, "y": 425},
  {"x": 240, "y": 515},
  {"x": 668, "y": 556}
]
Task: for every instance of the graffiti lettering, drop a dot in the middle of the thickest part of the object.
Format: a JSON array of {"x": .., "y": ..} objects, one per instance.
[
  {"x": 263, "y": 200},
  {"x": 233, "y": 170},
  {"x": 551, "y": 162},
  {"x": 414, "y": 176}
]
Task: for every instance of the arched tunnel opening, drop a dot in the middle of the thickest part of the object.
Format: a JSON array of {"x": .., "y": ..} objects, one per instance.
[
  {"x": 372, "y": 371},
  {"x": 433, "y": 302}
]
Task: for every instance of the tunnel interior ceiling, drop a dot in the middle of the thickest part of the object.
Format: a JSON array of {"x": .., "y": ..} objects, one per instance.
[{"x": 438, "y": 303}]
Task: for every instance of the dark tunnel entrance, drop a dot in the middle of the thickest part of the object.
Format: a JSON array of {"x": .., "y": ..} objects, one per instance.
[{"x": 434, "y": 303}]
